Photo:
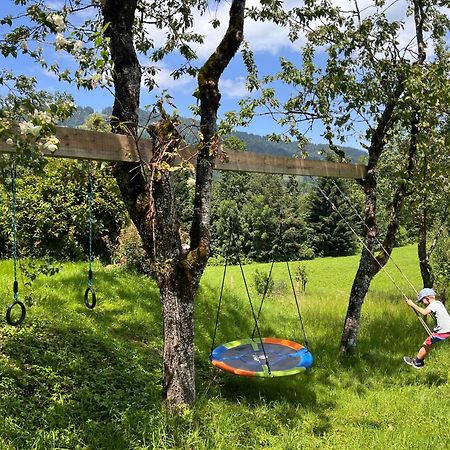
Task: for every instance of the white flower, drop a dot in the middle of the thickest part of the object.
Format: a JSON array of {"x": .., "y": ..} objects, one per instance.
[
  {"x": 52, "y": 144},
  {"x": 44, "y": 116},
  {"x": 29, "y": 128},
  {"x": 52, "y": 147},
  {"x": 60, "y": 41},
  {"x": 9, "y": 141},
  {"x": 78, "y": 45},
  {"x": 69, "y": 104},
  {"x": 190, "y": 182},
  {"x": 95, "y": 80},
  {"x": 58, "y": 21}
]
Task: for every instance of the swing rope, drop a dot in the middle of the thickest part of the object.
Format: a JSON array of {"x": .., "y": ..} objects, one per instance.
[
  {"x": 230, "y": 242},
  {"x": 16, "y": 301},
  {"x": 334, "y": 207},
  {"x": 348, "y": 201},
  {"x": 90, "y": 289},
  {"x": 254, "y": 315},
  {"x": 280, "y": 240},
  {"x": 298, "y": 307},
  {"x": 221, "y": 290}
]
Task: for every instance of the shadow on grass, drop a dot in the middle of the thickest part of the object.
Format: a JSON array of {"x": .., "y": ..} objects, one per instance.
[
  {"x": 124, "y": 307},
  {"x": 74, "y": 385},
  {"x": 77, "y": 378},
  {"x": 378, "y": 357}
]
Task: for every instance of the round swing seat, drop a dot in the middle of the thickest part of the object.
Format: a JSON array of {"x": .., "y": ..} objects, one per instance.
[{"x": 246, "y": 357}]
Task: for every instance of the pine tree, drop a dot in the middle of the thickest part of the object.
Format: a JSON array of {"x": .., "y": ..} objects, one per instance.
[{"x": 331, "y": 220}]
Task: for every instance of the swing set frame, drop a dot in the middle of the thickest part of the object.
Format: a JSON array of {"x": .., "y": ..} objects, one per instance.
[
  {"x": 93, "y": 145},
  {"x": 83, "y": 144}
]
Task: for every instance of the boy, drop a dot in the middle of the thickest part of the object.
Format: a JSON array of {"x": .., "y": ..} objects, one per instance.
[{"x": 441, "y": 331}]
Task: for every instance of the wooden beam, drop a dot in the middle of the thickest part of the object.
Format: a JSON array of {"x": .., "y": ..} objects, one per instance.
[
  {"x": 254, "y": 162},
  {"x": 83, "y": 144}
]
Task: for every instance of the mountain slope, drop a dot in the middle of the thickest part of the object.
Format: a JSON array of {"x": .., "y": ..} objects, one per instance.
[{"x": 255, "y": 143}]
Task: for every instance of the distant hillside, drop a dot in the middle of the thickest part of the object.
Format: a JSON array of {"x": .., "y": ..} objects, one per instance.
[
  {"x": 260, "y": 144},
  {"x": 255, "y": 143}
]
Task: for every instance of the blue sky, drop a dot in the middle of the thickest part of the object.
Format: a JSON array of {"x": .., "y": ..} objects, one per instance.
[{"x": 268, "y": 41}]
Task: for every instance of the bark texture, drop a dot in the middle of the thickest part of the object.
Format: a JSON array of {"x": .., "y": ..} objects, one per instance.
[{"x": 148, "y": 191}]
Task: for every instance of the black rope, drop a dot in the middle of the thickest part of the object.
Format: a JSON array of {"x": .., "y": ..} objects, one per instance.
[
  {"x": 90, "y": 289},
  {"x": 280, "y": 239},
  {"x": 298, "y": 306},
  {"x": 266, "y": 287},
  {"x": 349, "y": 203},
  {"x": 230, "y": 238},
  {"x": 253, "y": 313},
  {"x": 16, "y": 301},
  {"x": 230, "y": 241}
]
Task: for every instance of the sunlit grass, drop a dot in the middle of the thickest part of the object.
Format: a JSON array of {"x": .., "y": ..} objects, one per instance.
[{"x": 75, "y": 378}]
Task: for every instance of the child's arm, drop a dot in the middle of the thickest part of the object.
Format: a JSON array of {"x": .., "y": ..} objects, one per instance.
[{"x": 423, "y": 311}]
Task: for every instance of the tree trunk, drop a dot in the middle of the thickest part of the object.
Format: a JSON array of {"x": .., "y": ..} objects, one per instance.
[
  {"x": 370, "y": 264},
  {"x": 361, "y": 284},
  {"x": 149, "y": 195},
  {"x": 177, "y": 282},
  {"x": 426, "y": 270}
]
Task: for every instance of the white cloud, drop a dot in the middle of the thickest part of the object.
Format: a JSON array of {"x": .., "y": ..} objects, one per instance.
[
  {"x": 233, "y": 87},
  {"x": 395, "y": 11},
  {"x": 262, "y": 36},
  {"x": 165, "y": 80}
]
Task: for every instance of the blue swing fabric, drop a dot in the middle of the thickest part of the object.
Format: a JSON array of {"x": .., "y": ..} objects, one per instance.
[{"x": 273, "y": 358}]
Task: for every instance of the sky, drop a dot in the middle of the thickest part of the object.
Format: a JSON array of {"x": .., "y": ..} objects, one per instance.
[{"x": 268, "y": 41}]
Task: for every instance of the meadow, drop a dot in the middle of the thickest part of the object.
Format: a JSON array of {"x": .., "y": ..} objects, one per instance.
[{"x": 73, "y": 378}]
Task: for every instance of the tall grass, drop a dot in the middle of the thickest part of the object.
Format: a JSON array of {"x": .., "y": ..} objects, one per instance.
[{"x": 74, "y": 378}]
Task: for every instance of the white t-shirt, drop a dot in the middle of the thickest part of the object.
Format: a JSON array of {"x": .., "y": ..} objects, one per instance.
[{"x": 441, "y": 316}]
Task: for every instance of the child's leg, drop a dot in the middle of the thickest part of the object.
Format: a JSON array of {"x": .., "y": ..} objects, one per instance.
[{"x": 424, "y": 351}]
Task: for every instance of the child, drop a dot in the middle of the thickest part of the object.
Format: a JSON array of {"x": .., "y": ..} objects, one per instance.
[{"x": 441, "y": 331}]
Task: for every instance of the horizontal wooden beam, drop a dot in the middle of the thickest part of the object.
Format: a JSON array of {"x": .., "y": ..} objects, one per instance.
[
  {"x": 83, "y": 144},
  {"x": 254, "y": 162}
]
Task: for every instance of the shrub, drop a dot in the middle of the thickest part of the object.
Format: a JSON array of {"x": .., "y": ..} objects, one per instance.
[
  {"x": 261, "y": 279},
  {"x": 301, "y": 276},
  {"x": 52, "y": 212},
  {"x": 305, "y": 252},
  {"x": 441, "y": 267},
  {"x": 129, "y": 253}
]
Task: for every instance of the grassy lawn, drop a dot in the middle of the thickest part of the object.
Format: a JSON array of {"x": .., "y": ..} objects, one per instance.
[{"x": 73, "y": 378}]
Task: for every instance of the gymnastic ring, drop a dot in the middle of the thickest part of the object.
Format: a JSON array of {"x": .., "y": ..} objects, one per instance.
[
  {"x": 91, "y": 304},
  {"x": 22, "y": 313}
]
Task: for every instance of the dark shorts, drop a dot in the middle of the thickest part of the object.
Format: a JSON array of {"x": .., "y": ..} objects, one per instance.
[{"x": 435, "y": 338}]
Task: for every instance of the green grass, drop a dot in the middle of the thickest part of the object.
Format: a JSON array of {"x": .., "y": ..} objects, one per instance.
[{"x": 72, "y": 378}]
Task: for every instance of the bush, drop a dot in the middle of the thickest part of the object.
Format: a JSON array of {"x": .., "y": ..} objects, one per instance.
[
  {"x": 261, "y": 280},
  {"x": 301, "y": 276},
  {"x": 129, "y": 253},
  {"x": 441, "y": 267},
  {"x": 305, "y": 252},
  {"x": 52, "y": 212}
]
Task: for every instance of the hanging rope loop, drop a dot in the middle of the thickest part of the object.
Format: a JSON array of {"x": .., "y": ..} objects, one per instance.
[
  {"x": 21, "y": 318},
  {"x": 93, "y": 301},
  {"x": 16, "y": 301},
  {"x": 90, "y": 303}
]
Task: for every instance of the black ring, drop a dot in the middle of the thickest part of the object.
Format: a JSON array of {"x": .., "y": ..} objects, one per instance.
[
  {"x": 88, "y": 304},
  {"x": 22, "y": 315}
]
